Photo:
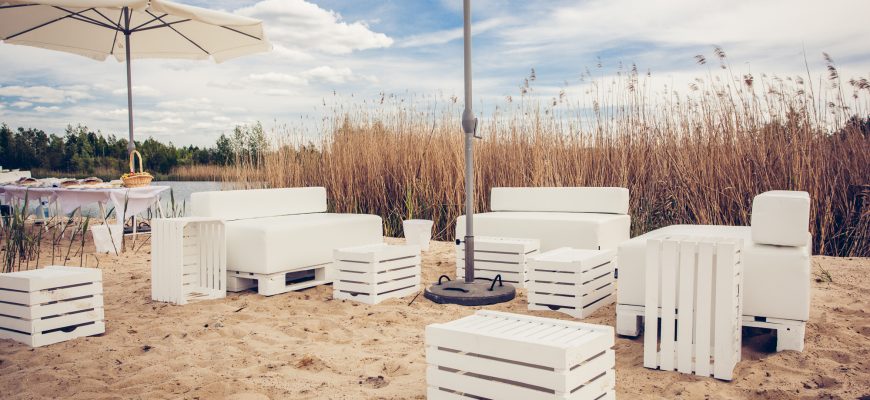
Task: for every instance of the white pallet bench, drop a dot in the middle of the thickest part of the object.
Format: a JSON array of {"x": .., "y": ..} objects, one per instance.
[
  {"x": 493, "y": 256},
  {"x": 188, "y": 259},
  {"x": 281, "y": 282},
  {"x": 496, "y": 355},
  {"x": 51, "y": 305},
  {"x": 573, "y": 281},
  {"x": 371, "y": 274},
  {"x": 694, "y": 286}
]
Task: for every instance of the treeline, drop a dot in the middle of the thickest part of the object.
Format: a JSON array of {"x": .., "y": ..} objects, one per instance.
[{"x": 80, "y": 151}]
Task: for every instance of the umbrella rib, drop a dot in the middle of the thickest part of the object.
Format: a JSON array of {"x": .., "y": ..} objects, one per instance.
[
  {"x": 84, "y": 18},
  {"x": 17, "y": 5},
  {"x": 115, "y": 39},
  {"x": 152, "y": 20},
  {"x": 118, "y": 24},
  {"x": 44, "y": 24},
  {"x": 163, "y": 25},
  {"x": 168, "y": 25},
  {"x": 241, "y": 33}
]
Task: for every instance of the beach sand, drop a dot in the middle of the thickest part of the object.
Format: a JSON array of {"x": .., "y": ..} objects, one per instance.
[{"x": 305, "y": 345}]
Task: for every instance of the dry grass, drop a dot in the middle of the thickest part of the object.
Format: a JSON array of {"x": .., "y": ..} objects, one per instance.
[
  {"x": 697, "y": 157},
  {"x": 196, "y": 173}
]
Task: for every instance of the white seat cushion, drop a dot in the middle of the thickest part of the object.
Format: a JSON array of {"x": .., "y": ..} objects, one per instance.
[
  {"x": 608, "y": 200},
  {"x": 241, "y": 204},
  {"x": 776, "y": 279},
  {"x": 277, "y": 244},
  {"x": 553, "y": 229},
  {"x": 781, "y": 218}
]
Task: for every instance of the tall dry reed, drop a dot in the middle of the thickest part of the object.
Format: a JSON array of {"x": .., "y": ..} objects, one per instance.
[{"x": 694, "y": 157}]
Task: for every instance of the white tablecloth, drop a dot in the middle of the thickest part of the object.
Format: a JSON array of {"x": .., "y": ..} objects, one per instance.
[{"x": 127, "y": 202}]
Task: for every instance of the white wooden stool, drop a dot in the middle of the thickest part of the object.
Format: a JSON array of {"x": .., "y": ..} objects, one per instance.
[
  {"x": 573, "y": 281},
  {"x": 188, "y": 259},
  {"x": 493, "y": 256},
  {"x": 373, "y": 273},
  {"x": 51, "y": 305},
  {"x": 496, "y": 355},
  {"x": 694, "y": 286}
]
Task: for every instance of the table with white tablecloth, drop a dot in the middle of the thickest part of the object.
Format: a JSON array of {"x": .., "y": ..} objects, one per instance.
[{"x": 127, "y": 202}]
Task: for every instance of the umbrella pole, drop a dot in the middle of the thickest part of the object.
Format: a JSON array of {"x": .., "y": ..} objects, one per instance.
[
  {"x": 131, "y": 145},
  {"x": 469, "y": 126},
  {"x": 467, "y": 292}
]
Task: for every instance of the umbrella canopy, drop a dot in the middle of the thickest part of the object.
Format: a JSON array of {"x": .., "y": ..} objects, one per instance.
[{"x": 127, "y": 29}]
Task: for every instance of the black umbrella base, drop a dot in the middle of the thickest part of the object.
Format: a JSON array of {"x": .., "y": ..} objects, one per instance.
[{"x": 470, "y": 294}]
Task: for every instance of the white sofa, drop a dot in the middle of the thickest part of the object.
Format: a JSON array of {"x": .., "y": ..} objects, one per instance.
[
  {"x": 776, "y": 267},
  {"x": 577, "y": 217},
  {"x": 283, "y": 238}
]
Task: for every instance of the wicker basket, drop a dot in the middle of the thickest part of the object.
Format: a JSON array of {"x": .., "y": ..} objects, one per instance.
[{"x": 136, "y": 179}]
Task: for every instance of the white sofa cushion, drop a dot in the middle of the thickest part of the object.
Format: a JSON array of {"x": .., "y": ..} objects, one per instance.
[
  {"x": 776, "y": 279},
  {"x": 277, "y": 244},
  {"x": 242, "y": 204},
  {"x": 610, "y": 200},
  {"x": 781, "y": 218},
  {"x": 553, "y": 229}
]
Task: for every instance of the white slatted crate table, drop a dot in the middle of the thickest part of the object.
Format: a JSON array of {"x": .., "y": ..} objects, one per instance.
[
  {"x": 497, "y": 355},
  {"x": 694, "y": 286},
  {"x": 51, "y": 305},
  {"x": 188, "y": 259},
  {"x": 573, "y": 281},
  {"x": 373, "y": 273},
  {"x": 493, "y": 256}
]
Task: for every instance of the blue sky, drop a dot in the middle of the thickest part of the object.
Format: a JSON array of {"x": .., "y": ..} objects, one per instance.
[{"x": 364, "y": 47}]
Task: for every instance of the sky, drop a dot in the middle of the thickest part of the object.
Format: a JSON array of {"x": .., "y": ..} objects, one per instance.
[{"x": 356, "y": 50}]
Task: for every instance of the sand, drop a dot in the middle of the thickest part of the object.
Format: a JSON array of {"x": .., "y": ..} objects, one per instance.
[{"x": 304, "y": 345}]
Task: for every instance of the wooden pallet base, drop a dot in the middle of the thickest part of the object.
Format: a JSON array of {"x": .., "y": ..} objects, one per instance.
[
  {"x": 39, "y": 339},
  {"x": 789, "y": 333},
  {"x": 280, "y": 282}
]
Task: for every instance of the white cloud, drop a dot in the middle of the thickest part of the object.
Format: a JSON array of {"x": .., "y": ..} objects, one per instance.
[
  {"x": 448, "y": 35},
  {"x": 150, "y": 129},
  {"x": 195, "y": 104},
  {"x": 330, "y": 74},
  {"x": 41, "y": 109},
  {"x": 171, "y": 121},
  {"x": 299, "y": 25},
  {"x": 45, "y": 94},
  {"x": 22, "y": 104},
  {"x": 277, "y": 77},
  {"x": 748, "y": 26},
  {"x": 138, "y": 91}
]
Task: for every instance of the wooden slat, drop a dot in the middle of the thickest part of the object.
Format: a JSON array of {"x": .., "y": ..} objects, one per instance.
[
  {"x": 726, "y": 316},
  {"x": 686, "y": 324},
  {"x": 651, "y": 304},
  {"x": 704, "y": 308}
]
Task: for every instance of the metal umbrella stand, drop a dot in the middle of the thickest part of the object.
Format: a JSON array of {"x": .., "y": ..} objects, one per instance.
[{"x": 469, "y": 292}]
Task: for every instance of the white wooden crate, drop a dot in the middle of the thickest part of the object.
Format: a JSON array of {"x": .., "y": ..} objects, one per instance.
[
  {"x": 496, "y": 355},
  {"x": 188, "y": 259},
  {"x": 374, "y": 273},
  {"x": 51, "y": 305},
  {"x": 493, "y": 256},
  {"x": 699, "y": 283},
  {"x": 573, "y": 281}
]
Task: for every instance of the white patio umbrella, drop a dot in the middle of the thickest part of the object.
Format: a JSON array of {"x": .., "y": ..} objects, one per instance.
[{"x": 127, "y": 29}]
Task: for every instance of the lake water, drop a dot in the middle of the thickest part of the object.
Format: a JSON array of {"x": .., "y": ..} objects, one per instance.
[{"x": 181, "y": 191}]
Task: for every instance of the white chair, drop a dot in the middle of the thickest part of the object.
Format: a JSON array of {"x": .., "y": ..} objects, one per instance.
[
  {"x": 283, "y": 238},
  {"x": 776, "y": 266},
  {"x": 578, "y": 217}
]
